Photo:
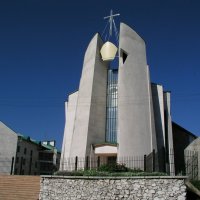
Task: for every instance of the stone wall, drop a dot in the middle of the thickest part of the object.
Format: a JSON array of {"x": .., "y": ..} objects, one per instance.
[{"x": 134, "y": 188}]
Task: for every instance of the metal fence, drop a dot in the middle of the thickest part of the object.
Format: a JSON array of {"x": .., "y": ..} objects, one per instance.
[
  {"x": 161, "y": 161},
  {"x": 153, "y": 162},
  {"x": 148, "y": 163},
  {"x": 192, "y": 164},
  {"x": 94, "y": 162}
]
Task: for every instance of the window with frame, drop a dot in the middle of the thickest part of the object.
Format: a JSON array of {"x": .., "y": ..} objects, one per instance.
[
  {"x": 111, "y": 108},
  {"x": 25, "y": 150},
  {"x": 18, "y": 149}
]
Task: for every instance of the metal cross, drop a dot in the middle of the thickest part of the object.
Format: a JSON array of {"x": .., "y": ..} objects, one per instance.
[{"x": 111, "y": 20}]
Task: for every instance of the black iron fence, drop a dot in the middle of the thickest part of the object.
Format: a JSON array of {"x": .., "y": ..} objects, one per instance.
[
  {"x": 148, "y": 163},
  {"x": 94, "y": 162},
  {"x": 160, "y": 161}
]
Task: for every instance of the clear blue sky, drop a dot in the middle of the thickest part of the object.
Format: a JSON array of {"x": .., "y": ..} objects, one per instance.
[{"x": 42, "y": 44}]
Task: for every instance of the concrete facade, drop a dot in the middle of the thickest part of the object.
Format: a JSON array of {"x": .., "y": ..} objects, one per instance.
[
  {"x": 135, "y": 128},
  {"x": 35, "y": 158},
  {"x": 22, "y": 155},
  {"x": 70, "y": 110},
  {"x": 141, "y": 109},
  {"x": 26, "y": 161},
  {"x": 8, "y": 144},
  {"x": 85, "y": 121},
  {"x": 141, "y": 120}
]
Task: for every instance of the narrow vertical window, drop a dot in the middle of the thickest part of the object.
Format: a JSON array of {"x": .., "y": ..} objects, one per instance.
[
  {"x": 18, "y": 149},
  {"x": 25, "y": 151},
  {"x": 111, "y": 116}
]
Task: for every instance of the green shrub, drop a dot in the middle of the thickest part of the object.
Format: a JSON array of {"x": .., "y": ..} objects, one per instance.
[
  {"x": 93, "y": 172},
  {"x": 69, "y": 173},
  {"x": 113, "y": 167},
  {"x": 135, "y": 170}
]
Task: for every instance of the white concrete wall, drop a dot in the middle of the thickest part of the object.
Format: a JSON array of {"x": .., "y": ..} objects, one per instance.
[
  {"x": 89, "y": 125},
  {"x": 70, "y": 114},
  {"x": 168, "y": 133},
  {"x": 158, "y": 107},
  {"x": 135, "y": 131},
  {"x": 158, "y": 102},
  {"x": 8, "y": 146},
  {"x": 106, "y": 150}
]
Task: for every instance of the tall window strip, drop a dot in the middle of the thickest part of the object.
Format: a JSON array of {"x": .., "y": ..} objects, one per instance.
[{"x": 111, "y": 115}]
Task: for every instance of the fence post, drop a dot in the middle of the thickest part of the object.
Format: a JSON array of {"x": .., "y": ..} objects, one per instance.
[
  {"x": 145, "y": 162},
  {"x": 12, "y": 164},
  {"x": 98, "y": 162},
  {"x": 87, "y": 162},
  {"x": 153, "y": 159},
  {"x": 76, "y": 163}
]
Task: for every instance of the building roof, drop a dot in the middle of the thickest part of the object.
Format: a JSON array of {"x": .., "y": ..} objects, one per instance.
[
  {"x": 27, "y": 138},
  {"x": 183, "y": 129}
]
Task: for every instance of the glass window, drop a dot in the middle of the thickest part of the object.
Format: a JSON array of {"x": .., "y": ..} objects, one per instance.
[
  {"x": 111, "y": 117},
  {"x": 18, "y": 148},
  {"x": 25, "y": 150}
]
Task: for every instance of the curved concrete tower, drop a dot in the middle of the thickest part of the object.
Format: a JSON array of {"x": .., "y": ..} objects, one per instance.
[
  {"x": 113, "y": 114},
  {"x": 136, "y": 132},
  {"x": 86, "y": 109}
]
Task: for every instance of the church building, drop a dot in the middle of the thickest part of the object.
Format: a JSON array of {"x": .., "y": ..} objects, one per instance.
[{"x": 117, "y": 112}]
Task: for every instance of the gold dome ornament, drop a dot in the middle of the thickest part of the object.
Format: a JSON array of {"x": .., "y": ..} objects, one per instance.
[{"x": 108, "y": 51}]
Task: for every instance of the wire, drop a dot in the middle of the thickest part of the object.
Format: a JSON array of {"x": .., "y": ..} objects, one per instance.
[
  {"x": 104, "y": 30},
  {"x": 116, "y": 32}
]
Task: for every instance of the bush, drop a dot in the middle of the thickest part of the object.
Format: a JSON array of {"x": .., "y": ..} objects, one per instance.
[
  {"x": 93, "y": 172},
  {"x": 69, "y": 173},
  {"x": 113, "y": 167},
  {"x": 135, "y": 170}
]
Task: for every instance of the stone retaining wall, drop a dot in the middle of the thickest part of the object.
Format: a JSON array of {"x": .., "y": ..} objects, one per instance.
[{"x": 134, "y": 188}]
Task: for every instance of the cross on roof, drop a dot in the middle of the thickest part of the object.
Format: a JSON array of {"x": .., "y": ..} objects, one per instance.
[{"x": 111, "y": 20}]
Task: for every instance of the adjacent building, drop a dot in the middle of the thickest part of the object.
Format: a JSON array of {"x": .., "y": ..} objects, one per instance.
[
  {"x": 8, "y": 144},
  {"x": 117, "y": 112},
  {"x": 21, "y": 155}
]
